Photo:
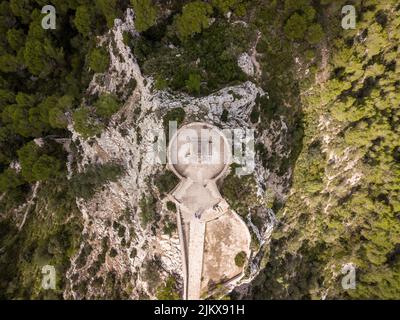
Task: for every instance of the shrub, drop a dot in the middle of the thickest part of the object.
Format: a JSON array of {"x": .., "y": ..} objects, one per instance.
[
  {"x": 46, "y": 167},
  {"x": 9, "y": 180},
  {"x": 113, "y": 253},
  {"x": 85, "y": 123},
  {"x": 169, "y": 227},
  {"x": 166, "y": 181},
  {"x": 240, "y": 192},
  {"x": 171, "y": 206},
  {"x": 146, "y": 14},
  {"x": 295, "y": 27},
  {"x": 8, "y": 63},
  {"x": 147, "y": 210},
  {"x": 240, "y": 259},
  {"x": 27, "y": 156},
  {"x": 194, "y": 18},
  {"x": 99, "y": 60},
  {"x": 168, "y": 291},
  {"x": 36, "y": 166},
  {"x": 193, "y": 83},
  {"x": 224, "y": 115},
  {"x": 314, "y": 34},
  {"x": 238, "y": 6},
  {"x": 107, "y": 105},
  {"x": 176, "y": 114},
  {"x": 82, "y": 20},
  {"x": 151, "y": 272},
  {"x": 88, "y": 182}
]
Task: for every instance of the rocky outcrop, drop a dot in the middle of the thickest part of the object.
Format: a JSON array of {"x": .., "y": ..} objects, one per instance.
[{"x": 117, "y": 247}]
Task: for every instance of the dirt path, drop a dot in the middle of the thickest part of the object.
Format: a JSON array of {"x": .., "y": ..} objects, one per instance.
[
  {"x": 29, "y": 204},
  {"x": 196, "y": 247}
]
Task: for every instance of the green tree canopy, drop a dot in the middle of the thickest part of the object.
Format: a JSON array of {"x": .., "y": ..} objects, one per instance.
[
  {"x": 9, "y": 180},
  {"x": 56, "y": 114},
  {"x": 295, "y": 27},
  {"x": 16, "y": 38},
  {"x": 36, "y": 166},
  {"x": 168, "y": 291},
  {"x": 107, "y": 105},
  {"x": 146, "y": 14},
  {"x": 193, "y": 83},
  {"x": 109, "y": 9},
  {"x": 46, "y": 167},
  {"x": 82, "y": 20},
  {"x": 314, "y": 33},
  {"x": 22, "y": 9},
  {"x": 238, "y": 6},
  {"x": 99, "y": 60},
  {"x": 85, "y": 124},
  {"x": 194, "y": 18},
  {"x": 28, "y": 155},
  {"x": 8, "y": 63}
]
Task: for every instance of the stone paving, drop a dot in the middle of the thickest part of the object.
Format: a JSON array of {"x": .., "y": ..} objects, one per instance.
[{"x": 199, "y": 155}]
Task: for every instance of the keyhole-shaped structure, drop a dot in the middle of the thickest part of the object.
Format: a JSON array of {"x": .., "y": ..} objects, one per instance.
[{"x": 211, "y": 235}]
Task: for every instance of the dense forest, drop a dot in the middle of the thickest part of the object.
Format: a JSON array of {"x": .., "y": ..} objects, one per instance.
[
  {"x": 344, "y": 202},
  {"x": 337, "y": 89},
  {"x": 43, "y": 77}
]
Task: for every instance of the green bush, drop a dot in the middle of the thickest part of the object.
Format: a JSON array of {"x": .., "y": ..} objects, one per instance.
[
  {"x": 8, "y": 63},
  {"x": 240, "y": 192},
  {"x": 314, "y": 33},
  {"x": 99, "y": 60},
  {"x": 194, "y": 18},
  {"x": 107, "y": 105},
  {"x": 176, "y": 114},
  {"x": 94, "y": 176},
  {"x": 171, "y": 206},
  {"x": 113, "y": 253},
  {"x": 296, "y": 27},
  {"x": 193, "y": 83},
  {"x": 9, "y": 180},
  {"x": 85, "y": 123},
  {"x": 46, "y": 167},
  {"x": 240, "y": 259},
  {"x": 28, "y": 155},
  {"x": 148, "y": 212},
  {"x": 166, "y": 181},
  {"x": 83, "y": 19},
  {"x": 238, "y": 6},
  {"x": 151, "y": 272},
  {"x": 169, "y": 226},
  {"x": 168, "y": 291},
  {"x": 146, "y": 14},
  {"x": 224, "y": 115}
]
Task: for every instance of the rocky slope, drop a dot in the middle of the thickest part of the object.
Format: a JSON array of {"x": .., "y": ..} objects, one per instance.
[{"x": 117, "y": 249}]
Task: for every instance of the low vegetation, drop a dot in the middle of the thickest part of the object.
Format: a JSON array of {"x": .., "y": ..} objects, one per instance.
[
  {"x": 89, "y": 181},
  {"x": 240, "y": 192},
  {"x": 240, "y": 259},
  {"x": 148, "y": 212},
  {"x": 168, "y": 291},
  {"x": 166, "y": 181}
]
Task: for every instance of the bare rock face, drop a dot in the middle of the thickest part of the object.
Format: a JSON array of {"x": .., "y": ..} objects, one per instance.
[
  {"x": 119, "y": 256},
  {"x": 245, "y": 63}
]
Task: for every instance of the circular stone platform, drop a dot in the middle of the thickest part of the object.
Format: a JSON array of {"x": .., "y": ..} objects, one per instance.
[{"x": 200, "y": 152}]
